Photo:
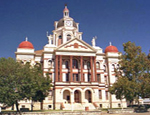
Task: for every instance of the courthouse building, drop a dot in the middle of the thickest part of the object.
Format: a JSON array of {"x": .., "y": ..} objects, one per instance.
[{"x": 80, "y": 73}]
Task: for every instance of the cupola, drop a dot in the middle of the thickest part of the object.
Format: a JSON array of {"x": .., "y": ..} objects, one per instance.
[
  {"x": 111, "y": 48},
  {"x": 66, "y": 11},
  {"x": 26, "y": 44}
]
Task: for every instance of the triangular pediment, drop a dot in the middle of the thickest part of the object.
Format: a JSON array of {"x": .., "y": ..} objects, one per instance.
[{"x": 76, "y": 45}]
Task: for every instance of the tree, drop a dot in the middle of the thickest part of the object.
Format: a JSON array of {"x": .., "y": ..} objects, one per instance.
[
  {"x": 21, "y": 81},
  {"x": 133, "y": 74}
]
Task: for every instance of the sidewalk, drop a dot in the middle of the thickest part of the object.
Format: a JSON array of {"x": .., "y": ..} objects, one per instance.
[{"x": 146, "y": 113}]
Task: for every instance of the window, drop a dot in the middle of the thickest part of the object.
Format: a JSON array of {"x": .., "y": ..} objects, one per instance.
[
  {"x": 117, "y": 66},
  {"x": 119, "y": 105},
  {"x": 101, "y": 105},
  {"x": 49, "y": 106},
  {"x": 113, "y": 67},
  {"x": 60, "y": 40},
  {"x": 75, "y": 77},
  {"x": 75, "y": 63},
  {"x": 97, "y": 65},
  {"x": 88, "y": 65},
  {"x": 60, "y": 37},
  {"x": 50, "y": 63},
  {"x": 68, "y": 37},
  {"x": 89, "y": 77},
  {"x": 67, "y": 77},
  {"x": 98, "y": 78},
  {"x": 50, "y": 95},
  {"x": 67, "y": 65},
  {"x": 100, "y": 94},
  {"x": 104, "y": 68},
  {"x": 106, "y": 95}
]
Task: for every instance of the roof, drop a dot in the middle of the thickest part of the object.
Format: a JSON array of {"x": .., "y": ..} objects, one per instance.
[
  {"x": 111, "y": 49},
  {"x": 39, "y": 52},
  {"x": 26, "y": 45},
  {"x": 61, "y": 23}
]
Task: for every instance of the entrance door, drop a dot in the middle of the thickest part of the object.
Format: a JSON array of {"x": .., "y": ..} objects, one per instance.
[
  {"x": 76, "y": 96},
  {"x": 88, "y": 96}
]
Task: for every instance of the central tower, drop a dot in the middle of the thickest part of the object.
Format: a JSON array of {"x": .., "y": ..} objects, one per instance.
[{"x": 65, "y": 29}]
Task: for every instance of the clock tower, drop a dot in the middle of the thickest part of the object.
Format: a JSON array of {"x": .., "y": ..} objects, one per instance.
[{"x": 65, "y": 30}]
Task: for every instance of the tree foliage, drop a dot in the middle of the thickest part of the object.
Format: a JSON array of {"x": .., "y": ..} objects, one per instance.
[
  {"x": 21, "y": 81},
  {"x": 133, "y": 74}
]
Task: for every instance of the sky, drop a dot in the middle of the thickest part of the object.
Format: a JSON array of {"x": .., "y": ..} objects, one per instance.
[{"x": 115, "y": 21}]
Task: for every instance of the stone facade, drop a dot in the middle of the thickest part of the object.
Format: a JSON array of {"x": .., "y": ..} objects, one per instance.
[{"x": 80, "y": 73}]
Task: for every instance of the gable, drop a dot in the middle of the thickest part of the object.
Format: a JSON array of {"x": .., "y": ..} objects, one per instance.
[{"x": 76, "y": 45}]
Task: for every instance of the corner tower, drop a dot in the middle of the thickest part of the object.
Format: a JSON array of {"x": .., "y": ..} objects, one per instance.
[{"x": 65, "y": 30}]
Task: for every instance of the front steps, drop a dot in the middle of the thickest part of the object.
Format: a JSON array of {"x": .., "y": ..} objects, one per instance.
[{"x": 78, "y": 106}]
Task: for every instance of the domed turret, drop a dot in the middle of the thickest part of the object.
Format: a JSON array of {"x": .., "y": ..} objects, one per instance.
[
  {"x": 26, "y": 44},
  {"x": 66, "y": 11},
  {"x": 111, "y": 49},
  {"x": 61, "y": 22}
]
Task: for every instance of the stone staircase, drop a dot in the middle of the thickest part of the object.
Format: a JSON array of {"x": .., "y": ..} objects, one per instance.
[{"x": 79, "y": 106}]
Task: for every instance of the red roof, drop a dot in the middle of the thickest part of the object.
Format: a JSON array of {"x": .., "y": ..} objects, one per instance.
[
  {"x": 65, "y": 9},
  {"x": 111, "y": 49},
  {"x": 26, "y": 44}
]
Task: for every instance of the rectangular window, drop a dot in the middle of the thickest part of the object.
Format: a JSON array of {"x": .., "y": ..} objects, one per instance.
[
  {"x": 49, "y": 106},
  {"x": 75, "y": 77},
  {"x": 100, "y": 94},
  {"x": 106, "y": 95},
  {"x": 50, "y": 95},
  {"x": 67, "y": 77},
  {"x": 100, "y": 105},
  {"x": 89, "y": 77},
  {"x": 98, "y": 78}
]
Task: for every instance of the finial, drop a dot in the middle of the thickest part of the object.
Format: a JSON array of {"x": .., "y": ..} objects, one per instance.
[
  {"x": 110, "y": 43},
  {"x": 65, "y": 5},
  {"x": 26, "y": 38},
  {"x": 47, "y": 33}
]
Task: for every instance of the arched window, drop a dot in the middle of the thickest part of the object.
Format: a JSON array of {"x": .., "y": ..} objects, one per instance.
[
  {"x": 97, "y": 65},
  {"x": 50, "y": 63},
  {"x": 105, "y": 68},
  {"x": 88, "y": 65},
  {"x": 113, "y": 67},
  {"x": 75, "y": 63},
  {"x": 68, "y": 37},
  {"x": 59, "y": 40},
  {"x": 66, "y": 64},
  {"x": 118, "y": 66}
]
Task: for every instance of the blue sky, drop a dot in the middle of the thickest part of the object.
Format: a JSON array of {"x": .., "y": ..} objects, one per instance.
[{"x": 116, "y": 21}]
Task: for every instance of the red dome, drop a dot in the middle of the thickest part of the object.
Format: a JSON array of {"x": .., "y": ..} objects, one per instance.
[
  {"x": 26, "y": 44},
  {"x": 111, "y": 49},
  {"x": 65, "y": 9}
]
